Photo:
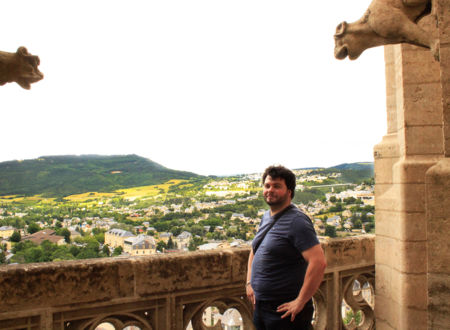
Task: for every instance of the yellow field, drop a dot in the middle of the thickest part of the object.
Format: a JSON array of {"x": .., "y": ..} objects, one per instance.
[
  {"x": 88, "y": 195},
  {"x": 10, "y": 198},
  {"x": 147, "y": 191},
  {"x": 129, "y": 193},
  {"x": 36, "y": 198}
]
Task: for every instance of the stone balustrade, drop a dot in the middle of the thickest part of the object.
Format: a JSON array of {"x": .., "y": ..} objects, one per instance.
[{"x": 172, "y": 291}]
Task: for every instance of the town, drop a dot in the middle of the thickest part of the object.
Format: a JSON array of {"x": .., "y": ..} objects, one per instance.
[{"x": 178, "y": 216}]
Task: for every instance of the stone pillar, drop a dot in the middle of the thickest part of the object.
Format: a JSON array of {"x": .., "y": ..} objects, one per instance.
[
  {"x": 438, "y": 194},
  {"x": 413, "y": 144}
]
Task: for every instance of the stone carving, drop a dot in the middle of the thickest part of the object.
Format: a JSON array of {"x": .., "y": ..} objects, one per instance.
[
  {"x": 385, "y": 22},
  {"x": 358, "y": 291},
  {"x": 195, "y": 312},
  {"x": 20, "y": 67}
]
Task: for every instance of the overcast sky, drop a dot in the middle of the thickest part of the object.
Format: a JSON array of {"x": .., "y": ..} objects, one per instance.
[{"x": 212, "y": 87}]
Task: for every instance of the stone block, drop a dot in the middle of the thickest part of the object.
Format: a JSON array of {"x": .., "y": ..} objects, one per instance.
[
  {"x": 419, "y": 67},
  {"x": 438, "y": 301},
  {"x": 350, "y": 252},
  {"x": 391, "y": 315},
  {"x": 438, "y": 189},
  {"x": 400, "y": 255},
  {"x": 182, "y": 271},
  {"x": 386, "y": 197},
  {"x": 413, "y": 170},
  {"x": 400, "y": 197},
  {"x": 410, "y": 290},
  {"x": 239, "y": 265},
  {"x": 438, "y": 246},
  {"x": 387, "y": 148},
  {"x": 383, "y": 325},
  {"x": 422, "y": 140},
  {"x": 389, "y": 54},
  {"x": 443, "y": 15},
  {"x": 387, "y": 313},
  {"x": 411, "y": 318},
  {"x": 445, "y": 62},
  {"x": 64, "y": 283},
  {"x": 412, "y": 197},
  {"x": 383, "y": 170},
  {"x": 383, "y": 283},
  {"x": 422, "y": 104},
  {"x": 402, "y": 225},
  {"x": 385, "y": 251},
  {"x": 411, "y": 256}
]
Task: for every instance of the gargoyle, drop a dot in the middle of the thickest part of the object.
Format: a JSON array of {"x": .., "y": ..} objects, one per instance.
[
  {"x": 385, "y": 22},
  {"x": 20, "y": 67}
]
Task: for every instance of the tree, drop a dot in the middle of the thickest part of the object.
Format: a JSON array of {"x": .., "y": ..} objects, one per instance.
[
  {"x": 105, "y": 250},
  {"x": 357, "y": 224},
  {"x": 64, "y": 232},
  {"x": 330, "y": 231},
  {"x": 33, "y": 228},
  {"x": 3, "y": 254},
  {"x": 117, "y": 251},
  {"x": 170, "y": 243},
  {"x": 161, "y": 246},
  {"x": 15, "y": 237}
]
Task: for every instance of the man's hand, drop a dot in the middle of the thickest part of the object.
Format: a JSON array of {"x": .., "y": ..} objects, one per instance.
[
  {"x": 291, "y": 308},
  {"x": 250, "y": 294}
]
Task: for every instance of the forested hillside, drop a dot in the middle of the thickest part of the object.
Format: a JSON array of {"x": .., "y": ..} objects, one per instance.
[{"x": 66, "y": 175}]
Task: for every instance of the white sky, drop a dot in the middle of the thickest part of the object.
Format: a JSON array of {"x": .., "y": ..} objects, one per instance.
[{"x": 212, "y": 87}]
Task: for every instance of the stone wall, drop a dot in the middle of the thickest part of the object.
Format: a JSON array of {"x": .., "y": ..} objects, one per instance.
[
  {"x": 412, "y": 186},
  {"x": 167, "y": 291}
]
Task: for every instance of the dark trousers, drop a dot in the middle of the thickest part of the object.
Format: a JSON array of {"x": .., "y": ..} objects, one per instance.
[{"x": 266, "y": 317}]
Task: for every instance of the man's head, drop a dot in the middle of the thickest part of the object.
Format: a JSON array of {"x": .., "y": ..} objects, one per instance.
[{"x": 278, "y": 185}]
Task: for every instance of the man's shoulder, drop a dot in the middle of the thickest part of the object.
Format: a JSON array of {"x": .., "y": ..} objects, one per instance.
[
  {"x": 295, "y": 212},
  {"x": 298, "y": 218}
]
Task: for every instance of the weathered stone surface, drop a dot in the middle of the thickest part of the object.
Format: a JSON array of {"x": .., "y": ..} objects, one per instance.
[
  {"x": 349, "y": 252},
  {"x": 20, "y": 67},
  {"x": 385, "y": 22},
  {"x": 438, "y": 301},
  {"x": 423, "y": 140},
  {"x": 177, "y": 272},
  {"x": 159, "y": 290},
  {"x": 407, "y": 226},
  {"x": 62, "y": 283},
  {"x": 425, "y": 104}
]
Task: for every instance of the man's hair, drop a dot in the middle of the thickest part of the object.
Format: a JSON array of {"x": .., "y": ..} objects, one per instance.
[{"x": 282, "y": 172}]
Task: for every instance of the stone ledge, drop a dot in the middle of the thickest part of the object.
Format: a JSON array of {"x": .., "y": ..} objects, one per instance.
[{"x": 67, "y": 284}]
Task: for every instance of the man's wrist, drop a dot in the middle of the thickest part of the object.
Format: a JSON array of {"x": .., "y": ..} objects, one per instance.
[{"x": 248, "y": 283}]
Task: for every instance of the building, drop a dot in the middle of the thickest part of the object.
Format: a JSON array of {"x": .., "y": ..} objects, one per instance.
[
  {"x": 45, "y": 235},
  {"x": 139, "y": 245},
  {"x": 184, "y": 239},
  {"x": 165, "y": 237},
  {"x": 116, "y": 237},
  {"x": 6, "y": 231}
]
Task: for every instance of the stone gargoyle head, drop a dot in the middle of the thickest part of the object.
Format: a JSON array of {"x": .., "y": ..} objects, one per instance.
[
  {"x": 385, "y": 22},
  {"x": 20, "y": 67}
]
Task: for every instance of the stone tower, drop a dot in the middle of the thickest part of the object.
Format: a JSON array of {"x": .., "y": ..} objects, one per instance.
[{"x": 412, "y": 175}]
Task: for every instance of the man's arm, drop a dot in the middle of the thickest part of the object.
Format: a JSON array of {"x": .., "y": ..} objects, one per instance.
[
  {"x": 248, "y": 287},
  {"x": 313, "y": 277}
]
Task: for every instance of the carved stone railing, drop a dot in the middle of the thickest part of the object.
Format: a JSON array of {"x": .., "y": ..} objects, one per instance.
[{"x": 171, "y": 291}]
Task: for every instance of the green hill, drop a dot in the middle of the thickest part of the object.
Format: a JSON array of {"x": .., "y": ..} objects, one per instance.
[
  {"x": 350, "y": 172},
  {"x": 55, "y": 176}
]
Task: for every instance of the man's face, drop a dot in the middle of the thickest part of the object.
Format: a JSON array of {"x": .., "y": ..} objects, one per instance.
[{"x": 275, "y": 191}]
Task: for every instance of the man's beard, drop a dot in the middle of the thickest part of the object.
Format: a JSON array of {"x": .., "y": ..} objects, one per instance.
[{"x": 277, "y": 201}]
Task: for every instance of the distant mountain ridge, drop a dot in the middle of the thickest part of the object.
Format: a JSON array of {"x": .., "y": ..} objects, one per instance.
[
  {"x": 66, "y": 175},
  {"x": 354, "y": 166},
  {"x": 344, "y": 166}
]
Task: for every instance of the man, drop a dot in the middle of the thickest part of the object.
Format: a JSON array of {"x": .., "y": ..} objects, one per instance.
[{"x": 287, "y": 263}]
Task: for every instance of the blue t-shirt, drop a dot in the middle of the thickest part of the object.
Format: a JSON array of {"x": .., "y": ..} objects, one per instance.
[{"x": 278, "y": 267}]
